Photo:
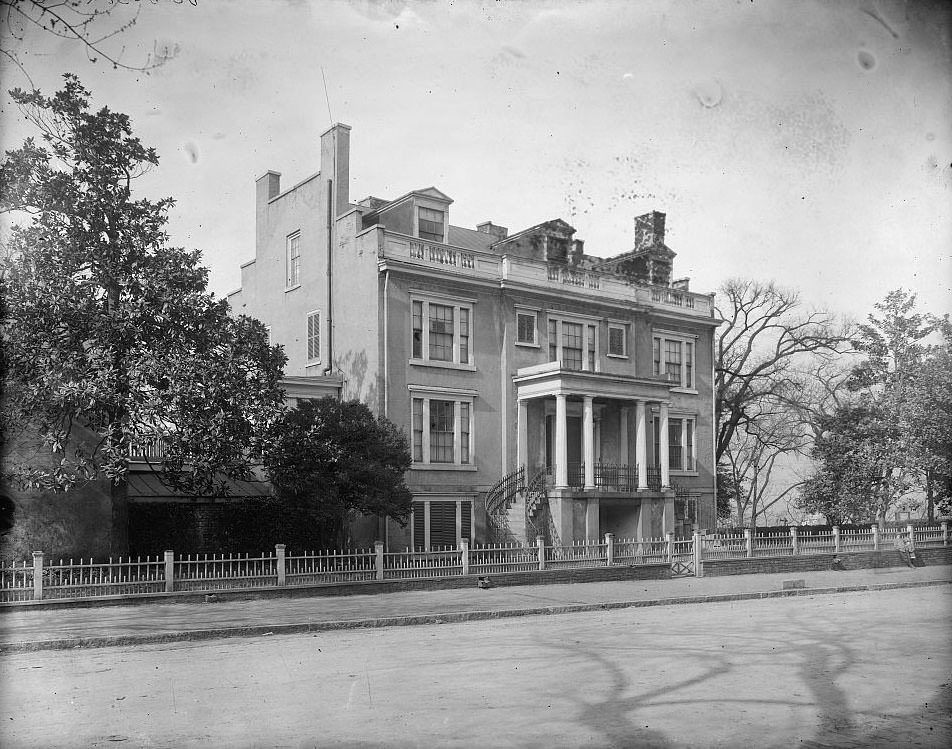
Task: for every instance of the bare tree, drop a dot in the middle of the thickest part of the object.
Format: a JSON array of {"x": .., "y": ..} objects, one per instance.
[
  {"x": 755, "y": 453},
  {"x": 94, "y": 25},
  {"x": 767, "y": 335}
]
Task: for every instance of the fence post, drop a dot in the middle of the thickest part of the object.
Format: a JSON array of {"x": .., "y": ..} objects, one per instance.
[
  {"x": 945, "y": 533},
  {"x": 37, "y": 575},
  {"x": 282, "y": 570},
  {"x": 875, "y": 537},
  {"x": 540, "y": 543},
  {"x": 610, "y": 551},
  {"x": 911, "y": 530},
  {"x": 836, "y": 539},
  {"x": 749, "y": 542},
  {"x": 169, "y": 570},
  {"x": 794, "y": 540},
  {"x": 464, "y": 554},
  {"x": 669, "y": 546},
  {"x": 378, "y": 560},
  {"x": 698, "y": 555}
]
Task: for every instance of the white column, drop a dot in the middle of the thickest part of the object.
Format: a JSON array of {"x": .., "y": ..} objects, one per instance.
[
  {"x": 561, "y": 443},
  {"x": 641, "y": 445},
  {"x": 663, "y": 447},
  {"x": 623, "y": 456},
  {"x": 522, "y": 436},
  {"x": 588, "y": 440}
]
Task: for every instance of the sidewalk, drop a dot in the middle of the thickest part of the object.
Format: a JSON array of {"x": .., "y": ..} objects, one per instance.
[{"x": 37, "y": 629}]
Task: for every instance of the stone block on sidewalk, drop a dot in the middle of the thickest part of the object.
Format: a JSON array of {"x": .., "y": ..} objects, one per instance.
[{"x": 793, "y": 584}]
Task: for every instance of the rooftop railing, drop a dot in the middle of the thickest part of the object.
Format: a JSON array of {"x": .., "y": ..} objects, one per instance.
[{"x": 510, "y": 269}]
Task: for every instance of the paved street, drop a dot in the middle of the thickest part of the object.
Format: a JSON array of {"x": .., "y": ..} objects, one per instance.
[{"x": 859, "y": 669}]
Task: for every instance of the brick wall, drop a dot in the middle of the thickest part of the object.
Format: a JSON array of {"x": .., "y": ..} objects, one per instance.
[{"x": 817, "y": 562}]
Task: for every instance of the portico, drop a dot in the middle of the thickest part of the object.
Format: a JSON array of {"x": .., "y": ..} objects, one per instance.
[{"x": 589, "y": 432}]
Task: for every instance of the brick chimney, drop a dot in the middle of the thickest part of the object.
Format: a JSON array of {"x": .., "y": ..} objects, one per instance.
[
  {"x": 488, "y": 227},
  {"x": 649, "y": 230}
]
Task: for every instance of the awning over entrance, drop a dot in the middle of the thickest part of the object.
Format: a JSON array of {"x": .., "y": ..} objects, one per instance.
[{"x": 145, "y": 486}]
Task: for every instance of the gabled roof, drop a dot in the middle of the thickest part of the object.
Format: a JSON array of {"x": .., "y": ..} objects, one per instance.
[{"x": 427, "y": 192}]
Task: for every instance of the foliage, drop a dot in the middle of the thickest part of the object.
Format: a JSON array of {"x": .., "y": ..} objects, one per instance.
[
  {"x": 772, "y": 358},
  {"x": 893, "y": 437},
  {"x": 108, "y": 328},
  {"x": 727, "y": 489},
  {"x": 327, "y": 459}
]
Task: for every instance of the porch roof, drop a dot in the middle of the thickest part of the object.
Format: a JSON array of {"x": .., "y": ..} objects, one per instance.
[
  {"x": 146, "y": 486},
  {"x": 553, "y": 379}
]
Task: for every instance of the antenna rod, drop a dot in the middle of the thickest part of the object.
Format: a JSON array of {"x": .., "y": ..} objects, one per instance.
[{"x": 326, "y": 97}]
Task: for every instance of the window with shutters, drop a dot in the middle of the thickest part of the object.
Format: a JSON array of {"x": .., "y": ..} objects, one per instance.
[
  {"x": 441, "y": 523},
  {"x": 681, "y": 447},
  {"x": 526, "y": 329},
  {"x": 574, "y": 343},
  {"x": 293, "y": 264},
  {"x": 431, "y": 224},
  {"x": 618, "y": 340},
  {"x": 314, "y": 337},
  {"x": 441, "y": 333},
  {"x": 673, "y": 359},
  {"x": 442, "y": 430}
]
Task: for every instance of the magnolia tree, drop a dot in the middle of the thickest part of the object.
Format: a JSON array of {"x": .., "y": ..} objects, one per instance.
[
  {"x": 108, "y": 329},
  {"x": 332, "y": 460}
]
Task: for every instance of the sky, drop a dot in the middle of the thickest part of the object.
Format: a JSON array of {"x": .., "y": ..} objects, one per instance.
[{"x": 804, "y": 142}]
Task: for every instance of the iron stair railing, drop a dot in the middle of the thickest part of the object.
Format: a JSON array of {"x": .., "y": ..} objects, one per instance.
[{"x": 503, "y": 493}]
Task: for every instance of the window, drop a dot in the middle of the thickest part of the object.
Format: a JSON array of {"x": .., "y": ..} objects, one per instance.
[
  {"x": 441, "y": 523},
  {"x": 617, "y": 340},
  {"x": 314, "y": 337},
  {"x": 573, "y": 343},
  {"x": 441, "y": 332},
  {"x": 526, "y": 328},
  {"x": 431, "y": 224},
  {"x": 442, "y": 430},
  {"x": 673, "y": 360},
  {"x": 681, "y": 451},
  {"x": 294, "y": 261}
]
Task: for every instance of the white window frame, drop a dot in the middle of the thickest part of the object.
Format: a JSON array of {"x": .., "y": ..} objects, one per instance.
[
  {"x": 458, "y": 397},
  {"x": 457, "y": 304},
  {"x": 688, "y": 439},
  {"x": 311, "y": 361},
  {"x": 423, "y": 503},
  {"x": 663, "y": 337},
  {"x": 292, "y": 265},
  {"x": 534, "y": 314},
  {"x": 623, "y": 327},
  {"x": 586, "y": 323}
]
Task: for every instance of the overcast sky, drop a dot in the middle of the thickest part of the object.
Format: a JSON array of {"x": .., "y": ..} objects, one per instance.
[{"x": 807, "y": 142}]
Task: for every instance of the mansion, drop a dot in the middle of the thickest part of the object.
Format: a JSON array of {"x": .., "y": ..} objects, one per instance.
[{"x": 543, "y": 391}]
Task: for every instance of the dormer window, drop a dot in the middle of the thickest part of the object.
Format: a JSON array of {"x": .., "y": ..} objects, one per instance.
[{"x": 432, "y": 224}]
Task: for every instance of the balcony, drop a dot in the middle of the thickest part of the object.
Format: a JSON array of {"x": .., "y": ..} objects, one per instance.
[{"x": 609, "y": 477}]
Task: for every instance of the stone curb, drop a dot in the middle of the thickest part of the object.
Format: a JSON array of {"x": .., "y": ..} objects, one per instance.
[{"x": 446, "y": 618}]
